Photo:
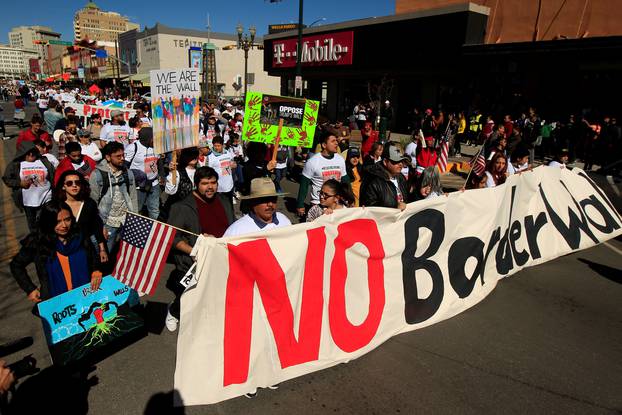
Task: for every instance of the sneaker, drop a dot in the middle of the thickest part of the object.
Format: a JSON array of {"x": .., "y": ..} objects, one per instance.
[
  {"x": 251, "y": 395},
  {"x": 171, "y": 322}
]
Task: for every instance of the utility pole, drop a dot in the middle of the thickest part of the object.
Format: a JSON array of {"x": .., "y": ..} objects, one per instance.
[{"x": 298, "y": 82}]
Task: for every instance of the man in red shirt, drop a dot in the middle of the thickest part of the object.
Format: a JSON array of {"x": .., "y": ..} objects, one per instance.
[
  {"x": 34, "y": 132},
  {"x": 203, "y": 212},
  {"x": 75, "y": 160},
  {"x": 369, "y": 137}
]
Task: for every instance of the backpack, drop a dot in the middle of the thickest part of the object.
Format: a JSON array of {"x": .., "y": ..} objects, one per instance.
[{"x": 106, "y": 183}]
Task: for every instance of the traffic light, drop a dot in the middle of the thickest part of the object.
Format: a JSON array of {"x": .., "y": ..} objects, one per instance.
[{"x": 40, "y": 42}]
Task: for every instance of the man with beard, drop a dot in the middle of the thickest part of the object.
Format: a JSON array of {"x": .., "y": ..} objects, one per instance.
[
  {"x": 204, "y": 211},
  {"x": 117, "y": 130}
]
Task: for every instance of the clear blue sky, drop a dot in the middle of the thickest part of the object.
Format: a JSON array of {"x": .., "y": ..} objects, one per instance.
[{"x": 190, "y": 14}]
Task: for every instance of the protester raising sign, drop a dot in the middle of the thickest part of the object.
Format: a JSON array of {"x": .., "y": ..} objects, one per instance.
[
  {"x": 175, "y": 109},
  {"x": 331, "y": 290},
  {"x": 80, "y": 321},
  {"x": 263, "y": 112}
]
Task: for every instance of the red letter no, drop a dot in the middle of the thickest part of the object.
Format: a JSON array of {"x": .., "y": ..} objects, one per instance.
[
  {"x": 347, "y": 336},
  {"x": 253, "y": 263}
]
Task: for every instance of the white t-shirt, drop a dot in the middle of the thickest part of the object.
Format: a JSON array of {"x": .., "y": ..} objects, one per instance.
[
  {"x": 143, "y": 158},
  {"x": 42, "y": 103},
  {"x": 52, "y": 159},
  {"x": 222, "y": 164},
  {"x": 411, "y": 151},
  {"x": 400, "y": 196},
  {"x": 557, "y": 164},
  {"x": 319, "y": 169},
  {"x": 246, "y": 224},
  {"x": 490, "y": 182},
  {"x": 514, "y": 170},
  {"x": 281, "y": 150},
  {"x": 39, "y": 191},
  {"x": 92, "y": 151},
  {"x": 118, "y": 133}
]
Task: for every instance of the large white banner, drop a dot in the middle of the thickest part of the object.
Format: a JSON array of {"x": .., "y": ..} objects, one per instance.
[
  {"x": 276, "y": 305},
  {"x": 86, "y": 110}
]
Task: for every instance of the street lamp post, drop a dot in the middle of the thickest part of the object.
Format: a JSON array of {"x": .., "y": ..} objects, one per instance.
[{"x": 246, "y": 43}]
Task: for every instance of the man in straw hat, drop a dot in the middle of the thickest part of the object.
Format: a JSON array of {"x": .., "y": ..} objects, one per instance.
[{"x": 262, "y": 213}]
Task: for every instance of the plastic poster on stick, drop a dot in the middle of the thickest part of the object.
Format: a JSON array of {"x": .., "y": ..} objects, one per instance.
[
  {"x": 263, "y": 112},
  {"x": 78, "y": 322},
  {"x": 175, "y": 109}
]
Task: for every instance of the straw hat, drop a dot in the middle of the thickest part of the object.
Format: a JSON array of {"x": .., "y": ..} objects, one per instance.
[
  {"x": 262, "y": 187},
  {"x": 57, "y": 134}
]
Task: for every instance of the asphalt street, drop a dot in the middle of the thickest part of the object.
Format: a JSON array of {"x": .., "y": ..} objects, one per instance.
[{"x": 547, "y": 340}]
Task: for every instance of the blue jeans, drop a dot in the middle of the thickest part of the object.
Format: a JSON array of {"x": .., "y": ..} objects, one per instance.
[
  {"x": 278, "y": 176},
  {"x": 151, "y": 199},
  {"x": 113, "y": 235}
]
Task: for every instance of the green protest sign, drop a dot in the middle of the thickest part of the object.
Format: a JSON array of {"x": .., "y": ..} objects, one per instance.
[{"x": 263, "y": 112}]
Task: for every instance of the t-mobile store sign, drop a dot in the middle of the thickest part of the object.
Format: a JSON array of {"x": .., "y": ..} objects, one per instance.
[{"x": 324, "y": 49}]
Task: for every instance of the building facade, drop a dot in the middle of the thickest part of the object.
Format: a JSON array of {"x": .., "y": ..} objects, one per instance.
[
  {"x": 442, "y": 57},
  {"x": 36, "y": 38},
  {"x": 15, "y": 62},
  {"x": 536, "y": 20},
  {"x": 163, "y": 47},
  {"x": 91, "y": 24}
]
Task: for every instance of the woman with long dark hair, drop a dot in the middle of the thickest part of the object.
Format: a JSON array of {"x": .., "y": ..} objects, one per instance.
[
  {"x": 64, "y": 259},
  {"x": 334, "y": 195},
  {"x": 496, "y": 170},
  {"x": 355, "y": 172},
  {"x": 73, "y": 189}
]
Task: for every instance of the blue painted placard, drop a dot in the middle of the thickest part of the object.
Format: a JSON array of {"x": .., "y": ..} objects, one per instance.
[{"x": 81, "y": 309}]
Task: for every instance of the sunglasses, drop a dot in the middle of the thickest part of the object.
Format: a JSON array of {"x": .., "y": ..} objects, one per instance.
[
  {"x": 70, "y": 183},
  {"x": 326, "y": 195}
]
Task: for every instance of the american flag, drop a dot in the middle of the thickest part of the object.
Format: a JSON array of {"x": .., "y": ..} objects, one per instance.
[
  {"x": 478, "y": 163},
  {"x": 441, "y": 162},
  {"x": 142, "y": 253}
]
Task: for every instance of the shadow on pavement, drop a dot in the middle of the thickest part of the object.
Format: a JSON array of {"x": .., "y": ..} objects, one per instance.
[
  {"x": 612, "y": 274},
  {"x": 54, "y": 390},
  {"x": 154, "y": 314},
  {"x": 162, "y": 403}
]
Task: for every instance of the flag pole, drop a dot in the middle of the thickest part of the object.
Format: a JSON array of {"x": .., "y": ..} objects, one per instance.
[
  {"x": 473, "y": 165},
  {"x": 162, "y": 223}
]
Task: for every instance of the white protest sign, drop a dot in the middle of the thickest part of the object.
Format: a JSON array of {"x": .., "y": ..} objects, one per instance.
[
  {"x": 175, "y": 108},
  {"x": 279, "y": 304}
]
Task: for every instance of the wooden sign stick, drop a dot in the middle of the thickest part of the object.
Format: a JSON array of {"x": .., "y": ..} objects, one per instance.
[
  {"x": 174, "y": 172},
  {"x": 277, "y": 140}
]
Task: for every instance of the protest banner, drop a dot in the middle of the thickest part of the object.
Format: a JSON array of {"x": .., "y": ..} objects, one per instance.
[
  {"x": 272, "y": 306},
  {"x": 85, "y": 110},
  {"x": 263, "y": 112},
  {"x": 175, "y": 109},
  {"x": 78, "y": 322}
]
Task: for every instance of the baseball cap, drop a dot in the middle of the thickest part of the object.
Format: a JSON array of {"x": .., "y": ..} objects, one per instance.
[
  {"x": 392, "y": 151},
  {"x": 354, "y": 152},
  {"x": 114, "y": 113},
  {"x": 83, "y": 132}
]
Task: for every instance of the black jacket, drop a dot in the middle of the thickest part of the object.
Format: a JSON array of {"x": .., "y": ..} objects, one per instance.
[
  {"x": 30, "y": 253},
  {"x": 378, "y": 190},
  {"x": 184, "y": 215},
  {"x": 90, "y": 223}
]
